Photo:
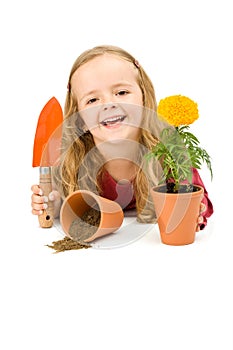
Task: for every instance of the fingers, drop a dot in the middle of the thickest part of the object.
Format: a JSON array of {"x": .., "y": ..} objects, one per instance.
[
  {"x": 202, "y": 208},
  {"x": 38, "y": 201},
  {"x": 54, "y": 196},
  {"x": 36, "y": 190},
  {"x": 200, "y": 220}
]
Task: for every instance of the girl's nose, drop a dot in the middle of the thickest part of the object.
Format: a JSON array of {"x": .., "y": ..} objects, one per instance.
[{"x": 109, "y": 106}]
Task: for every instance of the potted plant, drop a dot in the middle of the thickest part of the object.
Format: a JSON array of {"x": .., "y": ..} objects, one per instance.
[{"x": 176, "y": 199}]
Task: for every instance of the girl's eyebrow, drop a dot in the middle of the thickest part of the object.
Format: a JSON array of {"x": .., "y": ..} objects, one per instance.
[
  {"x": 114, "y": 86},
  {"x": 89, "y": 93},
  {"x": 122, "y": 83}
]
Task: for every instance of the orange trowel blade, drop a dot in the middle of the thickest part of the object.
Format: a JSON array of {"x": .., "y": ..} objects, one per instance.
[{"x": 48, "y": 134}]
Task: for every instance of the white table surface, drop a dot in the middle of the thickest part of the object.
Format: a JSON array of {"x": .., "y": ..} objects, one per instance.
[{"x": 143, "y": 295}]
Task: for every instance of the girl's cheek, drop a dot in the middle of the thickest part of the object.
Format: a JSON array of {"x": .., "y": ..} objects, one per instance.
[{"x": 90, "y": 116}]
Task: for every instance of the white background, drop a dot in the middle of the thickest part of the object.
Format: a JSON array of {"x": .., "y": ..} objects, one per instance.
[{"x": 145, "y": 295}]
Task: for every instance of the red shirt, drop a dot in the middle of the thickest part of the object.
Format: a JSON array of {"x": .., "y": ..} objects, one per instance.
[{"x": 122, "y": 193}]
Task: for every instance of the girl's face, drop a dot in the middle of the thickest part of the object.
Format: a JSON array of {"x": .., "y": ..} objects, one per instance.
[{"x": 109, "y": 98}]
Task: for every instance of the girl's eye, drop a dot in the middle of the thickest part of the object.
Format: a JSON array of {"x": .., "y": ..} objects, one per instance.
[
  {"x": 122, "y": 92},
  {"x": 92, "y": 100}
]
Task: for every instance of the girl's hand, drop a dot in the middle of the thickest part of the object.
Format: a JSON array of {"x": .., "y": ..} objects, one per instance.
[
  {"x": 39, "y": 201},
  {"x": 200, "y": 219}
]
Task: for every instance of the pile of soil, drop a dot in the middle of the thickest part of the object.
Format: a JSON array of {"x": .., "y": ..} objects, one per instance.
[
  {"x": 80, "y": 229},
  {"x": 67, "y": 244}
]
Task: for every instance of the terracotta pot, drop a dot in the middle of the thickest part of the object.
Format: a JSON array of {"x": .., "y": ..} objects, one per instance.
[
  {"x": 77, "y": 203},
  {"x": 177, "y": 215}
]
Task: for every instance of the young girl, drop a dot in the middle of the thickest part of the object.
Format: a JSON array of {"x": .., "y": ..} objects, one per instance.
[{"x": 109, "y": 125}]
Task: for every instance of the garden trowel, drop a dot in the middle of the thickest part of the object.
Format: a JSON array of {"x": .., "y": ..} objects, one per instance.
[{"x": 46, "y": 151}]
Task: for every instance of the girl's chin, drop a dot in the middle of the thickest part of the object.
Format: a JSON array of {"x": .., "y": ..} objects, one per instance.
[
  {"x": 111, "y": 131},
  {"x": 116, "y": 138},
  {"x": 115, "y": 133}
]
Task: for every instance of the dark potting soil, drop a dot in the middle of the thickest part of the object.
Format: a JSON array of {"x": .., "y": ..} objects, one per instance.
[
  {"x": 169, "y": 188},
  {"x": 84, "y": 227},
  {"x": 80, "y": 229}
]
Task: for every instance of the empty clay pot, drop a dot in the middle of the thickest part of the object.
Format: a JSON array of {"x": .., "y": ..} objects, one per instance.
[
  {"x": 177, "y": 215},
  {"x": 77, "y": 203}
]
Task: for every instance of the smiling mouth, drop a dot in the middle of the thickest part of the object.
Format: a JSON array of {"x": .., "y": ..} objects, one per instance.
[{"x": 113, "y": 120}]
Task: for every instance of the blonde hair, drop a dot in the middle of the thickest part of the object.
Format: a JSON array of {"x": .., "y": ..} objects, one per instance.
[{"x": 76, "y": 170}]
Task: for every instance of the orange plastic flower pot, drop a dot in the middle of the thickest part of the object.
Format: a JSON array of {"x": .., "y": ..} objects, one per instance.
[
  {"x": 177, "y": 215},
  {"x": 77, "y": 203}
]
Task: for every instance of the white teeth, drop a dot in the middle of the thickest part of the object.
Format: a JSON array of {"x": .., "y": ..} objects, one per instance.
[{"x": 113, "y": 120}]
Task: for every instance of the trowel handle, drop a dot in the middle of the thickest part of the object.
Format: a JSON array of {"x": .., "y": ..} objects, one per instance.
[{"x": 46, "y": 219}]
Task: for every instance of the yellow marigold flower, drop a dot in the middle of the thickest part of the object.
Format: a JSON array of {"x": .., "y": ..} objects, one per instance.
[{"x": 178, "y": 110}]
